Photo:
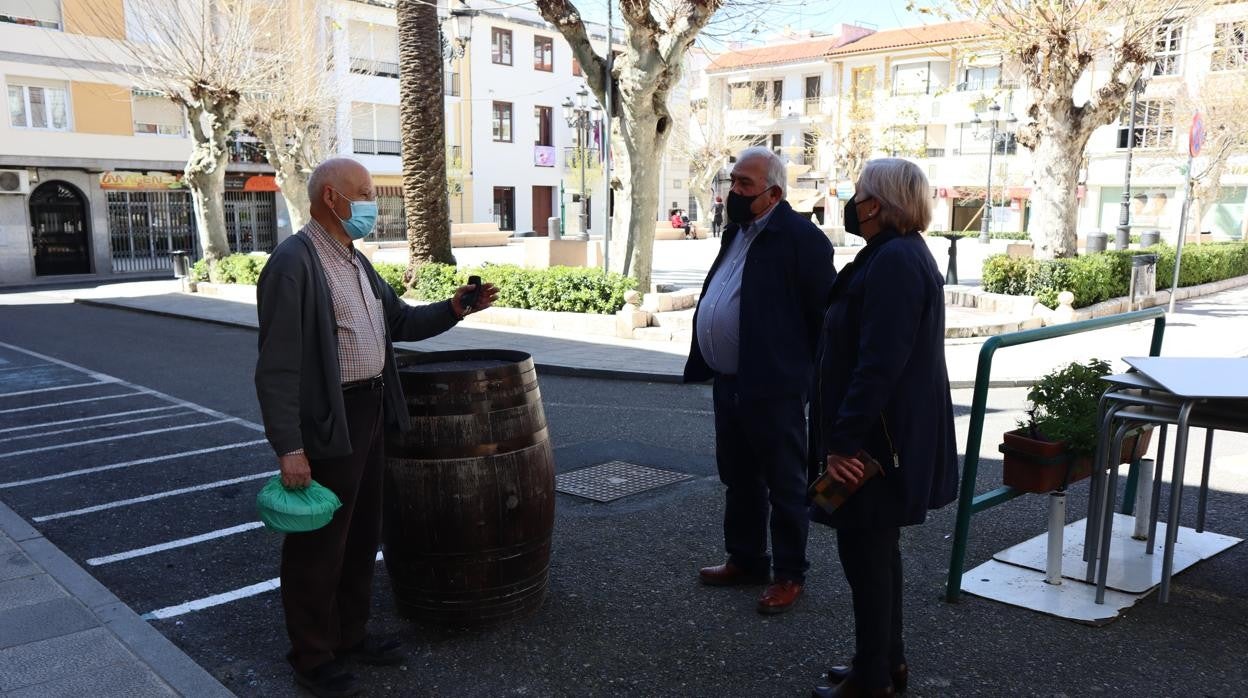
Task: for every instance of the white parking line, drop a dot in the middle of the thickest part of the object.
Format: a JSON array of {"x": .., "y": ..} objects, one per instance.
[
  {"x": 152, "y": 497},
  {"x": 59, "y": 387},
  {"x": 97, "y": 426},
  {"x": 67, "y": 402},
  {"x": 87, "y": 419},
  {"x": 126, "y": 464},
  {"x": 133, "y": 386},
  {"x": 218, "y": 599},
  {"x": 103, "y": 439},
  {"x": 179, "y": 543},
  {"x": 18, "y": 368}
]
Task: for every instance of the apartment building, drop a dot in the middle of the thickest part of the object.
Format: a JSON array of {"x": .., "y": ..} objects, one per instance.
[
  {"x": 90, "y": 167},
  {"x": 931, "y": 94}
]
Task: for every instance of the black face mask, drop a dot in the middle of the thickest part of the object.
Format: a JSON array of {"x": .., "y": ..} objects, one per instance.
[
  {"x": 852, "y": 226},
  {"x": 738, "y": 207}
]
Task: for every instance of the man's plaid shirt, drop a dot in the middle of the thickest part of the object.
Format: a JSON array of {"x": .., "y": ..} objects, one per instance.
[{"x": 359, "y": 314}]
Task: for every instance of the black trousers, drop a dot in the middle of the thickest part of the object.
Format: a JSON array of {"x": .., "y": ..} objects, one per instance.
[
  {"x": 871, "y": 558},
  {"x": 327, "y": 574},
  {"x": 760, "y": 448}
]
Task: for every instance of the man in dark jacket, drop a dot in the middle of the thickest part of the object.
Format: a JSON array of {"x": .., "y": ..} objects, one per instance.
[
  {"x": 755, "y": 333},
  {"x": 328, "y": 387}
]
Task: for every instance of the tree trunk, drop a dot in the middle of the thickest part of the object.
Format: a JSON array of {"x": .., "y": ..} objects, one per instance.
[
  {"x": 205, "y": 174},
  {"x": 290, "y": 154},
  {"x": 423, "y": 121},
  {"x": 1055, "y": 166}
]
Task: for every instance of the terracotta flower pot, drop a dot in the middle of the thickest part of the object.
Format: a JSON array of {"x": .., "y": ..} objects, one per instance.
[{"x": 1039, "y": 466}]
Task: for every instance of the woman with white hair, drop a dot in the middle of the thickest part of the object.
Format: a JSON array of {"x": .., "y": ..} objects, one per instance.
[{"x": 883, "y": 399}]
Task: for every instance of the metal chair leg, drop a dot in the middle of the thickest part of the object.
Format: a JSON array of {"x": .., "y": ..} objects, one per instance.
[
  {"x": 1158, "y": 470},
  {"x": 1107, "y": 528},
  {"x": 1176, "y": 501},
  {"x": 1202, "y": 497}
]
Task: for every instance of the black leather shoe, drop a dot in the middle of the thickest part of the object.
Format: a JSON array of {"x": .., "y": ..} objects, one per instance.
[
  {"x": 375, "y": 651},
  {"x": 900, "y": 675},
  {"x": 849, "y": 689},
  {"x": 328, "y": 681}
]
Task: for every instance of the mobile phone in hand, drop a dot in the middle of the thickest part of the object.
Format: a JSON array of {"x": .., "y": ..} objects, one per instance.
[{"x": 469, "y": 300}]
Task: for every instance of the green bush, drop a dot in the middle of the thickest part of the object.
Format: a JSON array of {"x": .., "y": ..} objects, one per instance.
[
  {"x": 561, "y": 289},
  {"x": 1105, "y": 275},
  {"x": 199, "y": 270},
  {"x": 392, "y": 274},
  {"x": 999, "y": 235},
  {"x": 238, "y": 269}
]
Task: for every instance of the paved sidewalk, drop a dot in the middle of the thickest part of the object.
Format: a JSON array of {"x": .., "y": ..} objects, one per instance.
[
  {"x": 1209, "y": 326},
  {"x": 62, "y": 633}
]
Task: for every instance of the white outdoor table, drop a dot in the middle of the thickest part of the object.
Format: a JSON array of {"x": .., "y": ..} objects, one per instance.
[{"x": 1210, "y": 393}]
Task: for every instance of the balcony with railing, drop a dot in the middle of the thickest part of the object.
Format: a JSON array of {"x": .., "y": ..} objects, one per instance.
[
  {"x": 450, "y": 83},
  {"x": 368, "y": 66},
  {"x": 934, "y": 153},
  {"x": 986, "y": 85},
  {"x": 369, "y": 146},
  {"x": 454, "y": 156},
  {"x": 813, "y": 106}
]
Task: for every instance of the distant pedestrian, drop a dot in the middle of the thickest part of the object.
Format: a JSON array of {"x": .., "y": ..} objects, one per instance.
[
  {"x": 681, "y": 221},
  {"x": 884, "y": 393},
  {"x": 755, "y": 332},
  {"x": 717, "y": 216},
  {"x": 327, "y": 386}
]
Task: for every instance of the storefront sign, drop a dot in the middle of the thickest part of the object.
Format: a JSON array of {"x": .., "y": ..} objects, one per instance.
[
  {"x": 246, "y": 182},
  {"x": 140, "y": 181}
]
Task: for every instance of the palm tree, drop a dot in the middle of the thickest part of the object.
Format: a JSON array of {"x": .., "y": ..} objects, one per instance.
[{"x": 423, "y": 135}]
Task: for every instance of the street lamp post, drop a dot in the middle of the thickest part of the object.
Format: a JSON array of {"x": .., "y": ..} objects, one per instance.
[
  {"x": 1123, "y": 238},
  {"x": 985, "y": 221},
  {"x": 581, "y": 116}
]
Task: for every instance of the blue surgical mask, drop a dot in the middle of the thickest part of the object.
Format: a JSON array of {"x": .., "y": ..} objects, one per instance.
[{"x": 363, "y": 216}]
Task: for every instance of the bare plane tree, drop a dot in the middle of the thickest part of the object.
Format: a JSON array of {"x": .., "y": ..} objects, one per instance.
[
  {"x": 657, "y": 34},
  {"x": 293, "y": 116},
  {"x": 1058, "y": 43},
  {"x": 202, "y": 55}
]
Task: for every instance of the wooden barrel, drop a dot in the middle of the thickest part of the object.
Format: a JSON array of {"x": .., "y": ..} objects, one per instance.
[{"x": 470, "y": 491}]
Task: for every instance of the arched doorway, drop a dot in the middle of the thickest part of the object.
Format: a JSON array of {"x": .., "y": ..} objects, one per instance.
[{"x": 58, "y": 229}]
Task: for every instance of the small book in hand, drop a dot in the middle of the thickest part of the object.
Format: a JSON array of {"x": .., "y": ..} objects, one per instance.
[{"x": 830, "y": 494}]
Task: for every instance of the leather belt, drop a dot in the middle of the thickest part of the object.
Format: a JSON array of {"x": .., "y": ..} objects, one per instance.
[{"x": 374, "y": 383}]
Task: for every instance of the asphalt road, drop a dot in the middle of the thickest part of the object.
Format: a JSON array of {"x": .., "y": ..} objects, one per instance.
[{"x": 133, "y": 456}]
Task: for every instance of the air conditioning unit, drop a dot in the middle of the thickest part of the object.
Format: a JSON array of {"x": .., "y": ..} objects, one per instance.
[{"x": 14, "y": 182}]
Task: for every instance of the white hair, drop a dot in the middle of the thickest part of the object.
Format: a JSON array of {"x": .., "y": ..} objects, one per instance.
[
  {"x": 901, "y": 189},
  {"x": 777, "y": 172}
]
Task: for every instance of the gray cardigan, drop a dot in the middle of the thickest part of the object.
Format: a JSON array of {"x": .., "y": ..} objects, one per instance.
[{"x": 297, "y": 376}]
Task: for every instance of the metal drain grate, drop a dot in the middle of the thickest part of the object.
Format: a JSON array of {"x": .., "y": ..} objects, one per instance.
[{"x": 610, "y": 481}]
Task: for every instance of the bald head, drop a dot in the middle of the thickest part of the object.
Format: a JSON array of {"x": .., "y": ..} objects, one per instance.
[{"x": 334, "y": 184}]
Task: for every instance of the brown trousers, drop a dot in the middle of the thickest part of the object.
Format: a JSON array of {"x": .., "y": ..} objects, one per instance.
[{"x": 327, "y": 574}]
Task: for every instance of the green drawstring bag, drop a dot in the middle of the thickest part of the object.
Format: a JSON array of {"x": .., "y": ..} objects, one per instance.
[{"x": 296, "y": 511}]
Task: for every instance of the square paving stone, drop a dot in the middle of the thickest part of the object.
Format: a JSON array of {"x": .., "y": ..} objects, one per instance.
[
  {"x": 127, "y": 680},
  {"x": 59, "y": 657},
  {"x": 25, "y": 591},
  {"x": 26, "y": 624},
  {"x": 610, "y": 481},
  {"x": 14, "y": 563}
]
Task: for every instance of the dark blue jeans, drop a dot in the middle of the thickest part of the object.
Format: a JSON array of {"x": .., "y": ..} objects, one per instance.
[{"x": 760, "y": 447}]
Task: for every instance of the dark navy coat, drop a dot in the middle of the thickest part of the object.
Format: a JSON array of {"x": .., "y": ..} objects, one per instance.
[
  {"x": 882, "y": 385},
  {"x": 784, "y": 290}
]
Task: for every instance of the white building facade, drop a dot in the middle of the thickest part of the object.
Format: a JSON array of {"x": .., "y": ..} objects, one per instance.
[{"x": 927, "y": 93}]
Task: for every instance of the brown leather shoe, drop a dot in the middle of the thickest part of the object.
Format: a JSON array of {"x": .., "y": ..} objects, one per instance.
[
  {"x": 729, "y": 575},
  {"x": 900, "y": 675},
  {"x": 779, "y": 596}
]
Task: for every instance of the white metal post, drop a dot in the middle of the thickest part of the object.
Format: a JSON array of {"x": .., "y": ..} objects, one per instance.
[{"x": 1057, "y": 527}]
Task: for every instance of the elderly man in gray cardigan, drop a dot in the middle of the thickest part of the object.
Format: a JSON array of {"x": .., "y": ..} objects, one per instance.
[{"x": 328, "y": 387}]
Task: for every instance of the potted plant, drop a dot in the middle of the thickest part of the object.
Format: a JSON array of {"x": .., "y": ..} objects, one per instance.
[{"x": 1055, "y": 445}]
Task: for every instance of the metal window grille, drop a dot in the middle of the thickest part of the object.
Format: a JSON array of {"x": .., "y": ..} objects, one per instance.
[
  {"x": 391, "y": 223},
  {"x": 251, "y": 220},
  {"x": 145, "y": 226}
]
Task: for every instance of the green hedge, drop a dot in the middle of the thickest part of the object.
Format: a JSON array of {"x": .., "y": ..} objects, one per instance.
[
  {"x": 392, "y": 274},
  {"x": 234, "y": 269},
  {"x": 561, "y": 289},
  {"x": 1105, "y": 275},
  {"x": 1002, "y": 235}
]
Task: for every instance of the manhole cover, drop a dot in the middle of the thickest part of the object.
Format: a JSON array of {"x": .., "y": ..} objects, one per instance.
[{"x": 610, "y": 481}]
